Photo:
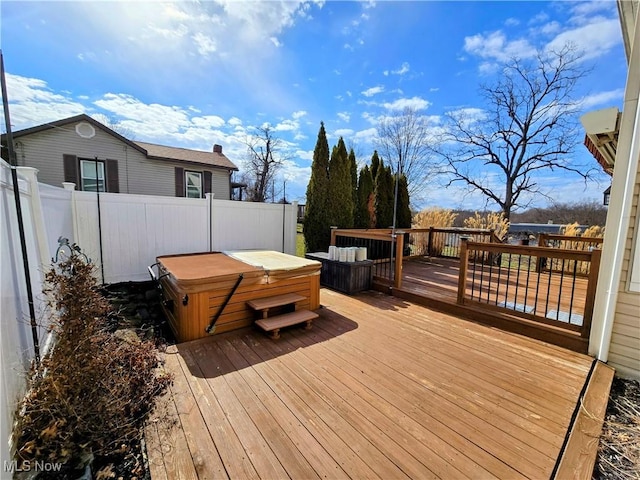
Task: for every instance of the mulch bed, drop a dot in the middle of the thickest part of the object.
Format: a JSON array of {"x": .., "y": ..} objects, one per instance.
[{"x": 619, "y": 449}]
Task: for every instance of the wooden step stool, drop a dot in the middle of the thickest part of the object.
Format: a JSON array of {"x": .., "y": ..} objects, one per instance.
[{"x": 274, "y": 324}]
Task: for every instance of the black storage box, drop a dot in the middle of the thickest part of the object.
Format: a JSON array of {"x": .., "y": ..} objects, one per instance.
[{"x": 345, "y": 277}]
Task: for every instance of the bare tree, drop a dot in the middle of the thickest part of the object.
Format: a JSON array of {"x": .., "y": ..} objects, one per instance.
[
  {"x": 265, "y": 157},
  {"x": 403, "y": 141},
  {"x": 528, "y": 127},
  {"x": 115, "y": 125}
]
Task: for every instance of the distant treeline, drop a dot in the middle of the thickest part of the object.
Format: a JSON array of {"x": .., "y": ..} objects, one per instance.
[{"x": 584, "y": 213}]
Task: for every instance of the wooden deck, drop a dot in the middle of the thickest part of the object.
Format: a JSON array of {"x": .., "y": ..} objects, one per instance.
[
  {"x": 433, "y": 282},
  {"x": 379, "y": 388}
]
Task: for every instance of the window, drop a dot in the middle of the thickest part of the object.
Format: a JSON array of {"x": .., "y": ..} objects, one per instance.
[
  {"x": 193, "y": 182},
  {"x": 92, "y": 175}
]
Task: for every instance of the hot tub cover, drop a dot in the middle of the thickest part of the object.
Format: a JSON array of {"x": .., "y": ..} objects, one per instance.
[{"x": 272, "y": 261}]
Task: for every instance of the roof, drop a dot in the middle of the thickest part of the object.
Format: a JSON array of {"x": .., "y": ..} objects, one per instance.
[
  {"x": 601, "y": 135},
  {"x": 153, "y": 151},
  {"x": 162, "y": 152},
  {"x": 537, "y": 227},
  {"x": 83, "y": 117}
]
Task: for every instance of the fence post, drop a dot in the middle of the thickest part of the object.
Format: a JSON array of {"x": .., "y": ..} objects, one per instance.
[
  {"x": 71, "y": 187},
  {"x": 430, "y": 241},
  {"x": 40, "y": 231},
  {"x": 542, "y": 242},
  {"x": 334, "y": 231},
  {"x": 397, "y": 274},
  {"x": 209, "y": 197},
  {"x": 462, "y": 275},
  {"x": 592, "y": 284}
]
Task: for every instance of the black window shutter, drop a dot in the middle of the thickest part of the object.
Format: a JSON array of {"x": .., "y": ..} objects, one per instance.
[
  {"x": 113, "y": 180},
  {"x": 207, "y": 182},
  {"x": 179, "y": 182},
  {"x": 70, "y": 165}
]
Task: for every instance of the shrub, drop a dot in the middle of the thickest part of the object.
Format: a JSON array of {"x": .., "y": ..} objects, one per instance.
[
  {"x": 490, "y": 221},
  {"x": 91, "y": 395},
  {"x": 431, "y": 217}
]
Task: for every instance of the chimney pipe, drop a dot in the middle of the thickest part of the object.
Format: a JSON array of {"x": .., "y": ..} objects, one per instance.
[{"x": 217, "y": 149}]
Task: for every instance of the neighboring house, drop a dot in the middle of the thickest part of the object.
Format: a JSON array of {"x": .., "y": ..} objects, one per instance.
[
  {"x": 615, "y": 332},
  {"x": 83, "y": 151}
]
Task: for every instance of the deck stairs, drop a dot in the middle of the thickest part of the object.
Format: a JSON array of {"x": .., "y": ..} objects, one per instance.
[{"x": 273, "y": 324}]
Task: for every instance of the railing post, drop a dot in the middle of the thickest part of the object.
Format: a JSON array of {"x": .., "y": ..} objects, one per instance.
[
  {"x": 542, "y": 242},
  {"x": 430, "y": 241},
  {"x": 592, "y": 284},
  {"x": 397, "y": 274},
  {"x": 333, "y": 236},
  {"x": 462, "y": 275}
]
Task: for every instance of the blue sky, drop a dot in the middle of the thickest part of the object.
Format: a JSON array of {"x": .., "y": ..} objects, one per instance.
[{"x": 192, "y": 74}]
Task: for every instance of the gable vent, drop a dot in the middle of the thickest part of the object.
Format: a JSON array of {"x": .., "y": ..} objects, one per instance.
[{"x": 85, "y": 130}]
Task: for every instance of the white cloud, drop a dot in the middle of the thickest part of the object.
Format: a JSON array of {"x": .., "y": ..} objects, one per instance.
[
  {"x": 299, "y": 114},
  {"x": 604, "y": 99},
  {"x": 205, "y": 44},
  {"x": 343, "y": 132},
  {"x": 495, "y": 46},
  {"x": 275, "y": 41},
  {"x": 208, "y": 121},
  {"x": 468, "y": 115},
  {"x": 370, "y": 92},
  {"x": 286, "y": 126},
  {"x": 594, "y": 39},
  {"x": 539, "y": 18},
  {"x": 32, "y": 102},
  {"x": 234, "y": 121},
  {"x": 404, "y": 68},
  {"x": 512, "y": 22},
  {"x": 582, "y": 11},
  {"x": 344, "y": 116},
  {"x": 416, "y": 103},
  {"x": 305, "y": 155},
  {"x": 366, "y": 136}
]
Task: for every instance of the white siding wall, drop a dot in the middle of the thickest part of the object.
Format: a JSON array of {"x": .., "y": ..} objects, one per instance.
[
  {"x": 624, "y": 351},
  {"x": 615, "y": 332},
  {"x": 137, "y": 174}
]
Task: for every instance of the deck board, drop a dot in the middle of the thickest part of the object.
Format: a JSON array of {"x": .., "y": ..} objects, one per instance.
[
  {"x": 379, "y": 388},
  {"x": 434, "y": 283}
]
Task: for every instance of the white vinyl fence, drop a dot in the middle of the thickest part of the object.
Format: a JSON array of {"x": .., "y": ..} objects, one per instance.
[
  {"x": 16, "y": 342},
  {"x": 122, "y": 234},
  {"x": 135, "y": 229}
]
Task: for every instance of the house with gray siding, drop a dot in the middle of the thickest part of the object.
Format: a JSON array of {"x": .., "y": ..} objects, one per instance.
[{"x": 89, "y": 154}]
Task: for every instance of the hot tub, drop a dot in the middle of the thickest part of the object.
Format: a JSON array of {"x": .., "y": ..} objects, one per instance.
[{"x": 196, "y": 286}]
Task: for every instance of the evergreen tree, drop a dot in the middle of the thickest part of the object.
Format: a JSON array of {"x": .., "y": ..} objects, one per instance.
[
  {"x": 365, "y": 192},
  {"x": 317, "y": 233},
  {"x": 403, "y": 214},
  {"x": 384, "y": 192},
  {"x": 375, "y": 163},
  {"x": 340, "y": 201},
  {"x": 353, "y": 165}
]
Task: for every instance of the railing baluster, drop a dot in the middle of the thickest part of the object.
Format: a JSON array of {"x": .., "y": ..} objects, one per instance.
[
  {"x": 573, "y": 290},
  {"x": 526, "y": 286},
  {"x": 499, "y": 277},
  {"x": 506, "y": 292},
  {"x": 515, "y": 301}
]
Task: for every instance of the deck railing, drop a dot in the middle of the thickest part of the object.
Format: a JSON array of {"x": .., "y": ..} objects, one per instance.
[
  {"x": 566, "y": 242},
  {"x": 383, "y": 247},
  {"x": 505, "y": 278},
  {"x": 445, "y": 242}
]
